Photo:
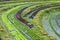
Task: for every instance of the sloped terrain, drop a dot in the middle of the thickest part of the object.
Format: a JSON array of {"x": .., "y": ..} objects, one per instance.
[{"x": 29, "y": 20}]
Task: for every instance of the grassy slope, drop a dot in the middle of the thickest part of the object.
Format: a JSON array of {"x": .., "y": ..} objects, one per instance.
[
  {"x": 44, "y": 14},
  {"x": 20, "y": 24},
  {"x": 11, "y": 27},
  {"x": 10, "y": 24},
  {"x": 16, "y": 24},
  {"x": 4, "y": 34},
  {"x": 6, "y": 22}
]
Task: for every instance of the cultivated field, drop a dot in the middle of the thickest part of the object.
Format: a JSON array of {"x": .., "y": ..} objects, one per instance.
[{"x": 29, "y": 20}]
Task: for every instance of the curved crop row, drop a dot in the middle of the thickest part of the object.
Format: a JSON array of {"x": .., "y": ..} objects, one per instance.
[{"x": 31, "y": 20}]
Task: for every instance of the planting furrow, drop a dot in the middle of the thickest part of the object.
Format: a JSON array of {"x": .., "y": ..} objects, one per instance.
[
  {"x": 58, "y": 20},
  {"x": 18, "y": 16},
  {"x": 11, "y": 27},
  {"x": 48, "y": 18},
  {"x": 31, "y": 20},
  {"x": 21, "y": 26},
  {"x": 42, "y": 8}
]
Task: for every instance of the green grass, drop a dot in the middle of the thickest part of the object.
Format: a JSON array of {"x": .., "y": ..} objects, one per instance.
[
  {"x": 11, "y": 27},
  {"x": 19, "y": 31},
  {"x": 45, "y": 19}
]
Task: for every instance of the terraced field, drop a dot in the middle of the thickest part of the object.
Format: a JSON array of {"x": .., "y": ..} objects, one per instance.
[{"x": 30, "y": 20}]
